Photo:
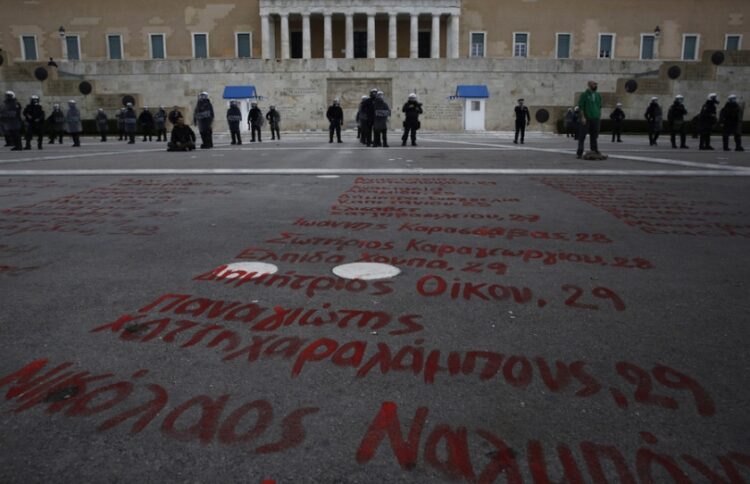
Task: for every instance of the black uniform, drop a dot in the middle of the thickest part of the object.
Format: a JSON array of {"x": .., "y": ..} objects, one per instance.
[
  {"x": 676, "y": 119},
  {"x": 570, "y": 122},
  {"x": 234, "y": 118},
  {"x": 120, "y": 115},
  {"x": 10, "y": 114},
  {"x": 412, "y": 109},
  {"x": 274, "y": 118},
  {"x": 102, "y": 124},
  {"x": 204, "y": 118},
  {"x": 706, "y": 121},
  {"x": 380, "y": 123},
  {"x": 364, "y": 123},
  {"x": 160, "y": 120},
  {"x": 146, "y": 120},
  {"x": 255, "y": 120},
  {"x": 56, "y": 122},
  {"x": 183, "y": 139},
  {"x": 730, "y": 119},
  {"x": 617, "y": 116},
  {"x": 370, "y": 118},
  {"x": 130, "y": 124},
  {"x": 335, "y": 117},
  {"x": 654, "y": 118},
  {"x": 523, "y": 118},
  {"x": 34, "y": 116}
]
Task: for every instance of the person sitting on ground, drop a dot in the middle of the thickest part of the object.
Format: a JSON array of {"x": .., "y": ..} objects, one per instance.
[{"x": 183, "y": 137}]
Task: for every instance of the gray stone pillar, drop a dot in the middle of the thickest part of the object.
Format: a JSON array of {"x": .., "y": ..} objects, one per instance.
[
  {"x": 265, "y": 35},
  {"x": 414, "y": 36},
  {"x": 370, "y": 35},
  {"x": 306, "y": 49},
  {"x": 455, "y": 37},
  {"x": 327, "y": 37},
  {"x": 392, "y": 36},
  {"x": 349, "y": 36},
  {"x": 435, "y": 36},
  {"x": 284, "y": 35}
]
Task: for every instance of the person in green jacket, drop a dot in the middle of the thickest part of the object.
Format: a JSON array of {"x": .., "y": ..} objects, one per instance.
[{"x": 590, "y": 104}]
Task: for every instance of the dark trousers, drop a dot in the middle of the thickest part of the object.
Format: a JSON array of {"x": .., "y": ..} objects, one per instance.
[
  {"x": 55, "y": 135},
  {"x": 275, "y": 133},
  {"x": 76, "y": 139},
  {"x": 616, "y": 132},
  {"x": 591, "y": 128},
  {"x": 179, "y": 146},
  {"x": 161, "y": 132},
  {"x": 409, "y": 130},
  {"x": 14, "y": 139},
  {"x": 737, "y": 140},
  {"x": 334, "y": 128},
  {"x": 255, "y": 129},
  {"x": 520, "y": 128},
  {"x": 147, "y": 133},
  {"x": 122, "y": 134},
  {"x": 131, "y": 138},
  {"x": 364, "y": 134},
  {"x": 236, "y": 137},
  {"x": 678, "y": 130},
  {"x": 207, "y": 138},
  {"x": 705, "y": 140},
  {"x": 30, "y": 133},
  {"x": 381, "y": 134},
  {"x": 104, "y": 136}
]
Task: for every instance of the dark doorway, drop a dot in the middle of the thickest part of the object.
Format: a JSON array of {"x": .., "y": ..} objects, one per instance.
[
  {"x": 360, "y": 45},
  {"x": 425, "y": 45},
  {"x": 296, "y": 45}
]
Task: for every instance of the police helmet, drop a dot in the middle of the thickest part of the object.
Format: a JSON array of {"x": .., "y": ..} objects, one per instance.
[
  {"x": 232, "y": 103},
  {"x": 413, "y": 96},
  {"x": 161, "y": 107},
  {"x": 56, "y": 106},
  {"x": 374, "y": 90},
  {"x": 272, "y": 107},
  {"x": 732, "y": 97},
  {"x": 336, "y": 101},
  {"x": 713, "y": 95},
  {"x": 254, "y": 104},
  {"x": 364, "y": 98},
  {"x": 679, "y": 96},
  {"x": 654, "y": 99},
  {"x": 35, "y": 98},
  {"x": 521, "y": 100},
  {"x": 145, "y": 108},
  {"x": 380, "y": 94},
  {"x": 130, "y": 105},
  {"x": 10, "y": 94},
  {"x": 619, "y": 105},
  {"x": 72, "y": 101},
  {"x": 100, "y": 110}
]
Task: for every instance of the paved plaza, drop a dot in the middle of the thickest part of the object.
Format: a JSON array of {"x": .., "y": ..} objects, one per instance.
[{"x": 194, "y": 317}]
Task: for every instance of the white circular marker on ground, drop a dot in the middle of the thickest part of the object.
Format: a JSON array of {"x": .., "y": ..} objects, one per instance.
[
  {"x": 367, "y": 271},
  {"x": 258, "y": 268},
  {"x": 327, "y": 176}
]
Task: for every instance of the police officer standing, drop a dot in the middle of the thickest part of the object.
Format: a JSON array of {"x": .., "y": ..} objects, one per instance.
[
  {"x": 11, "y": 119},
  {"x": 617, "y": 116},
  {"x": 160, "y": 119},
  {"x": 234, "y": 118},
  {"x": 362, "y": 122},
  {"x": 73, "y": 123},
  {"x": 335, "y": 117},
  {"x": 730, "y": 119},
  {"x": 706, "y": 121},
  {"x": 274, "y": 118},
  {"x": 676, "y": 119},
  {"x": 412, "y": 109},
  {"x": 523, "y": 119},
  {"x": 380, "y": 125},
  {"x": 204, "y": 119},
  {"x": 34, "y": 116},
  {"x": 146, "y": 120},
  {"x": 370, "y": 114},
  {"x": 255, "y": 121},
  {"x": 56, "y": 122},
  {"x": 130, "y": 121},
  {"x": 654, "y": 119},
  {"x": 101, "y": 124},
  {"x": 120, "y": 115}
]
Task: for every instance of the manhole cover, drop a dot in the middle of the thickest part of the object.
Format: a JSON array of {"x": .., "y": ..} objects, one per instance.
[{"x": 366, "y": 271}]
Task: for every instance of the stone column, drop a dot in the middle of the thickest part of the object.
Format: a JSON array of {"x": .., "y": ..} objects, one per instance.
[
  {"x": 392, "y": 36},
  {"x": 265, "y": 37},
  {"x": 370, "y": 35},
  {"x": 284, "y": 35},
  {"x": 306, "y": 49},
  {"x": 327, "y": 36},
  {"x": 414, "y": 36},
  {"x": 435, "y": 36},
  {"x": 455, "y": 37},
  {"x": 349, "y": 36}
]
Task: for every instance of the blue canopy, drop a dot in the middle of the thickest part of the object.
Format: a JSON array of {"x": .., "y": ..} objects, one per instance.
[
  {"x": 473, "y": 92},
  {"x": 239, "y": 92}
]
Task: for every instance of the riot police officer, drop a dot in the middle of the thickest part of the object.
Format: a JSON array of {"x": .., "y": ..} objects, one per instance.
[
  {"x": 362, "y": 122},
  {"x": 654, "y": 119},
  {"x": 102, "y": 124},
  {"x": 204, "y": 119},
  {"x": 130, "y": 123},
  {"x": 160, "y": 120},
  {"x": 706, "y": 121},
  {"x": 617, "y": 116},
  {"x": 730, "y": 119},
  {"x": 412, "y": 109},
  {"x": 274, "y": 118},
  {"x": 523, "y": 119},
  {"x": 120, "y": 116},
  {"x": 234, "y": 118},
  {"x": 255, "y": 121},
  {"x": 676, "y": 119},
  {"x": 335, "y": 116},
  {"x": 146, "y": 120},
  {"x": 370, "y": 113},
  {"x": 380, "y": 123},
  {"x": 56, "y": 122},
  {"x": 73, "y": 123},
  {"x": 34, "y": 116},
  {"x": 11, "y": 119}
]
